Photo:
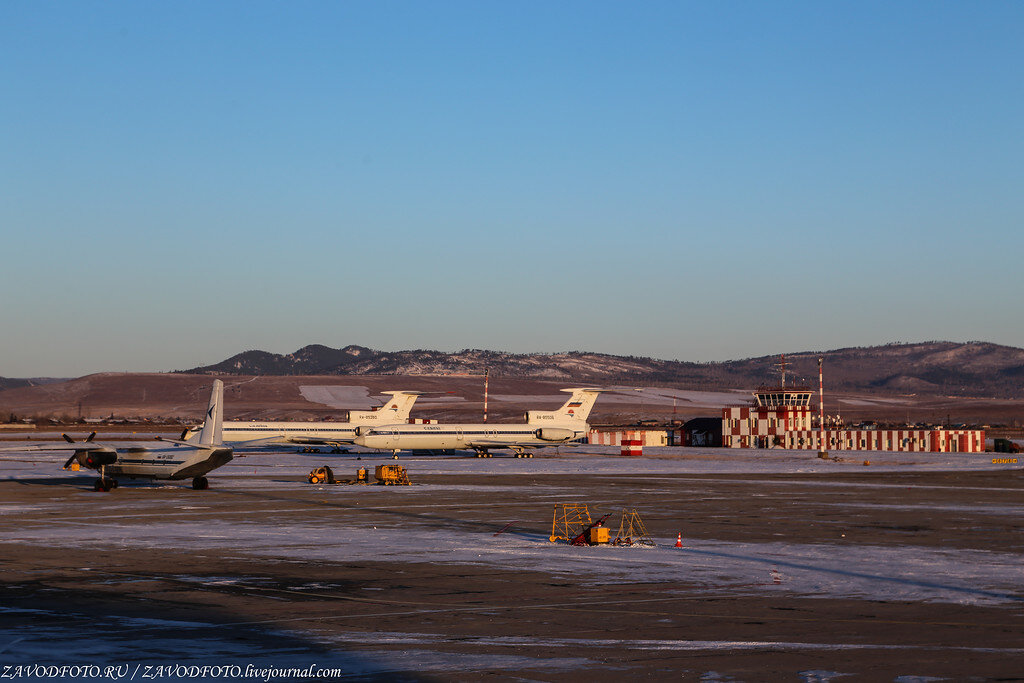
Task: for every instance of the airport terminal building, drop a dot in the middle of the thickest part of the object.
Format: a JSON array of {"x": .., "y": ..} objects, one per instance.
[{"x": 781, "y": 418}]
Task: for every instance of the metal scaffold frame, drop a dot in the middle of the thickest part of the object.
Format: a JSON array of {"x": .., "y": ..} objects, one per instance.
[
  {"x": 632, "y": 530},
  {"x": 567, "y": 520}
]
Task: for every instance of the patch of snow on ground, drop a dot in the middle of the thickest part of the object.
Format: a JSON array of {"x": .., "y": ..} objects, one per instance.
[
  {"x": 666, "y": 397},
  {"x": 638, "y": 644},
  {"x": 824, "y": 570},
  {"x": 339, "y": 396}
]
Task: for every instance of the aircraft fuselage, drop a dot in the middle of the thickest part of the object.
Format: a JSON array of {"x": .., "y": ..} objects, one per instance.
[
  {"x": 454, "y": 436},
  {"x": 140, "y": 462}
]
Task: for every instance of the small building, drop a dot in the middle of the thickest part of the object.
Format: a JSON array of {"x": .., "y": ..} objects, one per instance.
[
  {"x": 614, "y": 436},
  {"x": 700, "y": 431}
]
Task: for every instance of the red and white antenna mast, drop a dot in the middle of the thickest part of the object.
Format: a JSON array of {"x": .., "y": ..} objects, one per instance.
[
  {"x": 782, "y": 370},
  {"x": 821, "y": 413},
  {"x": 486, "y": 372}
]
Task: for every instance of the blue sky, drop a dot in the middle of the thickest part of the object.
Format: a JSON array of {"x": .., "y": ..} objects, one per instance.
[{"x": 702, "y": 181}]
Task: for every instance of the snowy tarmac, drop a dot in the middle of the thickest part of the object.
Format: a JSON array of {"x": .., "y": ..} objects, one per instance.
[{"x": 790, "y": 565}]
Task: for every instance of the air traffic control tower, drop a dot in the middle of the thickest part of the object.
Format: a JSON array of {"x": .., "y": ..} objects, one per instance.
[{"x": 774, "y": 412}]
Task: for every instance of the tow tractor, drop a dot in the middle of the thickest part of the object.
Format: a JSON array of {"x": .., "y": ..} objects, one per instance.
[{"x": 386, "y": 475}]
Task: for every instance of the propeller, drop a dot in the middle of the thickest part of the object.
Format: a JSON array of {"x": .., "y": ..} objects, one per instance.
[
  {"x": 88, "y": 439},
  {"x": 67, "y": 438}
]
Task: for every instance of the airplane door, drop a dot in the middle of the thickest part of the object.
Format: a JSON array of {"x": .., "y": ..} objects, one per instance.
[{"x": 458, "y": 435}]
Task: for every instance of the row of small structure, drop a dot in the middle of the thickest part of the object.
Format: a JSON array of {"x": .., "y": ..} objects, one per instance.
[{"x": 633, "y": 440}]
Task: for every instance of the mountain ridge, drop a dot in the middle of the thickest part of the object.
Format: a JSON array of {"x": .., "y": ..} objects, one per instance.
[{"x": 931, "y": 368}]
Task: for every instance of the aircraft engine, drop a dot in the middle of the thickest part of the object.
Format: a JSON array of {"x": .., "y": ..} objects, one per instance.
[
  {"x": 554, "y": 434},
  {"x": 363, "y": 430},
  {"x": 96, "y": 459}
]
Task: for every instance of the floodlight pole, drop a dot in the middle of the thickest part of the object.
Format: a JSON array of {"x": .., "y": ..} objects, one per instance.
[
  {"x": 822, "y": 453},
  {"x": 486, "y": 372}
]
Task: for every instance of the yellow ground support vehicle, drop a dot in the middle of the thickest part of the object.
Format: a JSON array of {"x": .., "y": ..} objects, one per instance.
[
  {"x": 391, "y": 475},
  {"x": 325, "y": 475},
  {"x": 386, "y": 475},
  {"x": 322, "y": 475}
]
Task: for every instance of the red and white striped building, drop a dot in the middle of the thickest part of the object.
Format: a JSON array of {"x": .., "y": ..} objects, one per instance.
[
  {"x": 765, "y": 423},
  {"x": 761, "y": 427},
  {"x": 615, "y": 437},
  {"x": 906, "y": 440}
]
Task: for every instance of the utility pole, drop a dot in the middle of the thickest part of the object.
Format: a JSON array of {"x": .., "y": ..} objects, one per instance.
[
  {"x": 822, "y": 453},
  {"x": 486, "y": 373}
]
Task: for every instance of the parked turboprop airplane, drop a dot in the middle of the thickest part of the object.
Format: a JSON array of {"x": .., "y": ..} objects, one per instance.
[
  {"x": 395, "y": 410},
  {"x": 139, "y": 461},
  {"x": 542, "y": 428}
]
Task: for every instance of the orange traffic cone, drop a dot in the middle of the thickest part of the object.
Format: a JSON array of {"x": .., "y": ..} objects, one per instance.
[{"x": 679, "y": 540}]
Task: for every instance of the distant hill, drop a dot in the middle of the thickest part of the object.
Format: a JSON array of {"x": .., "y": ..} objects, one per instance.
[
  {"x": 9, "y": 383},
  {"x": 927, "y": 368},
  {"x": 12, "y": 383}
]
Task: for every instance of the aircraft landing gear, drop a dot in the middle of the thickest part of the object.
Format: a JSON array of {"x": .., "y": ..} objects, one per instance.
[
  {"x": 200, "y": 483},
  {"x": 104, "y": 484}
]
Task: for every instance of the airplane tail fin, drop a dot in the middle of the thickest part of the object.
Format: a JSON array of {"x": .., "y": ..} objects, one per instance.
[
  {"x": 395, "y": 411},
  {"x": 212, "y": 431},
  {"x": 576, "y": 409}
]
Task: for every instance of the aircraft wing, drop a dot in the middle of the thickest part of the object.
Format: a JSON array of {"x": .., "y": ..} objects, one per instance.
[
  {"x": 78, "y": 448},
  {"x": 233, "y": 444},
  {"x": 489, "y": 443},
  {"x": 86, "y": 445},
  {"x": 265, "y": 441},
  {"x": 81, "y": 446},
  {"x": 314, "y": 441}
]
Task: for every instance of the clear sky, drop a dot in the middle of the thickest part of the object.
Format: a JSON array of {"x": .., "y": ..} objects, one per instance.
[{"x": 182, "y": 181}]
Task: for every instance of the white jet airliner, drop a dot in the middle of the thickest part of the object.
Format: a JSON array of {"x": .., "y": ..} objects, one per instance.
[
  {"x": 182, "y": 460},
  {"x": 542, "y": 428},
  {"x": 334, "y": 434}
]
